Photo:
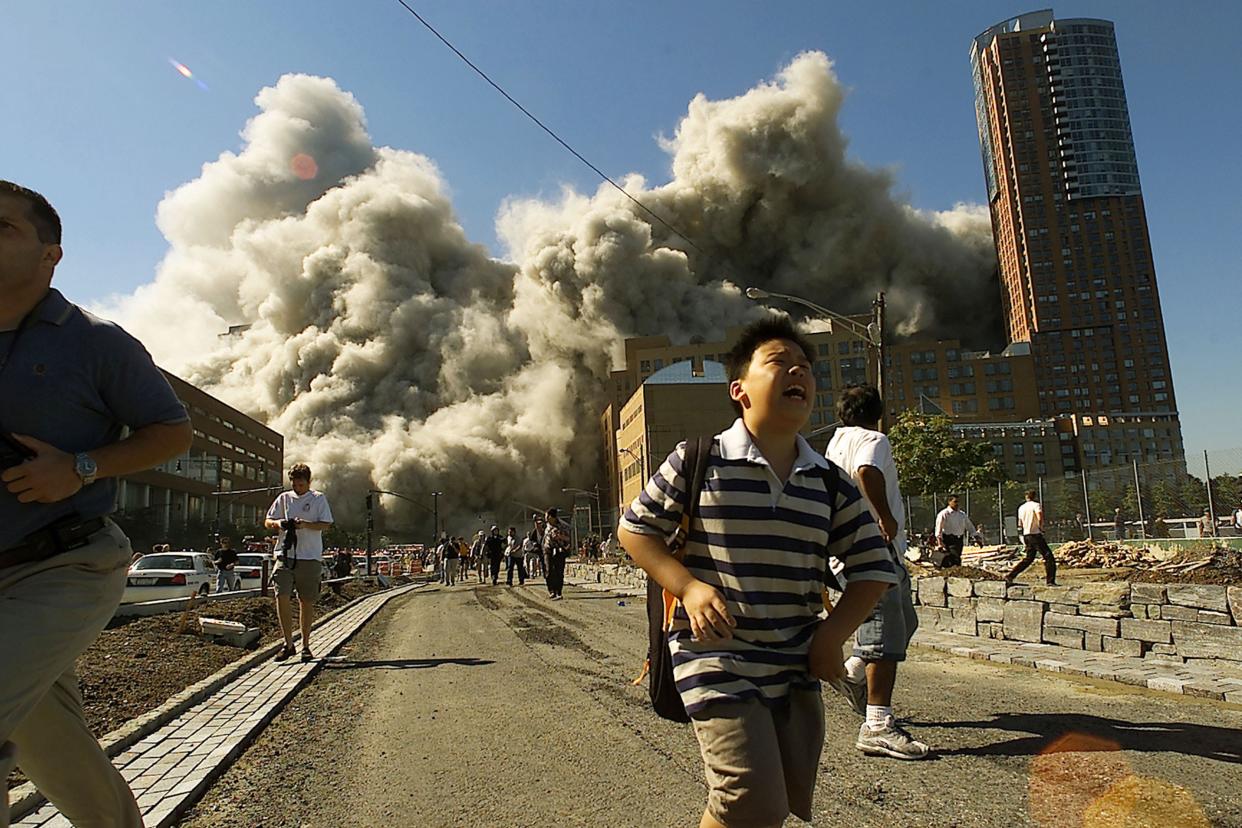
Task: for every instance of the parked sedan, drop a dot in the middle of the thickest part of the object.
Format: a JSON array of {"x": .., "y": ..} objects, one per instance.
[
  {"x": 249, "y": 569},
  {"x": 169, "y": 575}
]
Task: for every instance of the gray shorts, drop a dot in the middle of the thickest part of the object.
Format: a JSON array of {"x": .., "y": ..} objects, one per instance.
[
  {"x": 304, "y": 576},
  {"x": 886, "y": 633},
  {"x": 761, "y": 761}
]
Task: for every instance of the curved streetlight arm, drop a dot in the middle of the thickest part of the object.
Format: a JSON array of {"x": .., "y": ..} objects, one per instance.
[
  {"x": 861, "y": 331},
  {"x": 403, "y": 497},
  {"x": 580, "y": 491}
]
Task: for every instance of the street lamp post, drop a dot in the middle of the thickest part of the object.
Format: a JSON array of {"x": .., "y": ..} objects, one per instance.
[
  {"x": 435, "y": 525},
  {"x": 435, "y": 511},
  {"x": 872, "y": 333}
]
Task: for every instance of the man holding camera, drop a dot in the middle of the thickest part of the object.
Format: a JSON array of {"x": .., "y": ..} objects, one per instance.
[
  {"x": 71, "y": 384},
  {"x": 225, "y": 561},
  {"x": 300, "y": 515}
]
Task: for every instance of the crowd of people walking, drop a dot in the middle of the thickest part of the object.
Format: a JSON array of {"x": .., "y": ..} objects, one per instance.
[{"x": 540, "y": 551}]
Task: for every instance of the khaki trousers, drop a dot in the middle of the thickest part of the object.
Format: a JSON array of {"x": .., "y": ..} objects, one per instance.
[{"x": 50, "y": 612}]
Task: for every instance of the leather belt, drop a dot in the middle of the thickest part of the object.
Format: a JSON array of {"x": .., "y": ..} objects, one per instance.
[{"x": 53, "y": 539}]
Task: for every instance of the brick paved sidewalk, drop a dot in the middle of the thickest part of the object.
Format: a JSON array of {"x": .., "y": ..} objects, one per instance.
[
  {"x": 1152, "y": 673},
  {"x": 170, "y": 769}
]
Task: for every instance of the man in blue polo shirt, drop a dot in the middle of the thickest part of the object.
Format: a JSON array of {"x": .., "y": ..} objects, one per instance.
[{"x": 70, "y": 385}]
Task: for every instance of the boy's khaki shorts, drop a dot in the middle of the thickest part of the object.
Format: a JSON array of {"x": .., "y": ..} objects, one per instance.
[
  {"x": 761, "y": 761},
  {"x": 304, "y": 576}
]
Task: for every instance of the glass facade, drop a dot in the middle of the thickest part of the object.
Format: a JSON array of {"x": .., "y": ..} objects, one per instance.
[{"x": 1088, "y": 99}]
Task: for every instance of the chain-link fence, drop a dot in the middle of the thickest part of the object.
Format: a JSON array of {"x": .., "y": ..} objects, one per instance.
[{"x": 1155, "y": 500}]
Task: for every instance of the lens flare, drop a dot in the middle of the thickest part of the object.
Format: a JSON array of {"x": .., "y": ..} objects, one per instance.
[
  {"x": 1070, "y": 774},
  {"x": 185, "y": 72},
  {"x": 303, "y": 166},
  {"x": 1140, "y": 800}
]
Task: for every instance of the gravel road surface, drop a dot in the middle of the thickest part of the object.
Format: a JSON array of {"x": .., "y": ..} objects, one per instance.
[{"x": 472, "y": 706}]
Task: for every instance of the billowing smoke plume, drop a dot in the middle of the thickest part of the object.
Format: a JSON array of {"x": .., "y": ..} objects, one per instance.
[{"x": 391, "y": 351}]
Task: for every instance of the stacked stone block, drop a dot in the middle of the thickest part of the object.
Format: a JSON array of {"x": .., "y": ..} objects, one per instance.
[{"x": 1177, "y": 622}]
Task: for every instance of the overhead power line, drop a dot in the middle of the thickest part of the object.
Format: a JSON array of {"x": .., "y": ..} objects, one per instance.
[{"x": 548, "y": 129}]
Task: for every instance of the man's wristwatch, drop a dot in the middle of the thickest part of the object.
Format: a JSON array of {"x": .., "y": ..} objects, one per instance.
[{"x": 85, "y": 467}]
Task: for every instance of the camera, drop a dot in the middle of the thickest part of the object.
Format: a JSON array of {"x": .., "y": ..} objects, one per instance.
[{"x": 290, "y": 539}]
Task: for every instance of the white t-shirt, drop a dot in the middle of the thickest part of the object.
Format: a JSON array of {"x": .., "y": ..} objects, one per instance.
[
  {"x": 851, "y": 448},
  {"x": 1031, "y": 518},
  {"x": 1237, "y": 519},
  {"x": 311, "y": 507}
]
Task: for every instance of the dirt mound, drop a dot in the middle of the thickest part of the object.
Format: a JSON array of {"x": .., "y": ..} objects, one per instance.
[
  {"x": 972, "y": 572},
  {"x": 1222, "y": 566}
]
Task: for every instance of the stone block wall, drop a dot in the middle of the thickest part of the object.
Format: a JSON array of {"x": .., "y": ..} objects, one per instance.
[
  {"x": 1177, "y": 622},
  {"x": 621, "y": 577}
]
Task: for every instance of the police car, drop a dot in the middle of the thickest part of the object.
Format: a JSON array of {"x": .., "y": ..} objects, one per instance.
[{"x": 164, "y": 575}]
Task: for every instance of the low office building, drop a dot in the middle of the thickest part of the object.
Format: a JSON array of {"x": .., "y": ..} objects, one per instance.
[
  {"x": 680, "y": 401},
  {"x": 1028, "y": 450},
  {"x": 926, "y": 375},
  {"x": 230, "y": 475}
]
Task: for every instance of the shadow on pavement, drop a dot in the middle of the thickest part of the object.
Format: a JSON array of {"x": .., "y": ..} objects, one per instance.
[
  {"x": 407, "y": 663},
  {"x": 1220, "y": 743}
]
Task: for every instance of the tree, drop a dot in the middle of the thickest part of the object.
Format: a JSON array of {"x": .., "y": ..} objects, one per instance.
[
  {"x": 1194, "y": 496},
  {"x": 1226, "y": 493},
  {"x": 1165, "y": 500},
  {"x": 931, "y": 458}
]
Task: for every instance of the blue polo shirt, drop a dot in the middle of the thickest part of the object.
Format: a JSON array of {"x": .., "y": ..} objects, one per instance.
[{"x": 75, "y": 381}]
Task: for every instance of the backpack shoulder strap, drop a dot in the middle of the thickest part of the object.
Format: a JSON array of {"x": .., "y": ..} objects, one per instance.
[{"x": 694, "y": 467}]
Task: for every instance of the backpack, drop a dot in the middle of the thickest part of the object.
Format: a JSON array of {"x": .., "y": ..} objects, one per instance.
[{"x": 658, "y": 668}]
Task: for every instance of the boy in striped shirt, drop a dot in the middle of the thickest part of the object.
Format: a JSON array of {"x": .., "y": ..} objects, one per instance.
[{"x": 747, "y": 639}]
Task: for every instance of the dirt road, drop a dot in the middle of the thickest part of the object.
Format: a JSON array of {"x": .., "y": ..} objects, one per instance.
[{"x": 476, "y": 706}]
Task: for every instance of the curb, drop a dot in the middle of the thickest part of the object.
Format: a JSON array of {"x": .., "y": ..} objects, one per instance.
[
  {"x": 143, "y": 609},
  {"x": 1050, "y": 658},
  {"x": 26, "y": 797}
]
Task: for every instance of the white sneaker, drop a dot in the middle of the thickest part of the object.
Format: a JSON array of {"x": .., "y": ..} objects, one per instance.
[{"x": 890, "y": 739}]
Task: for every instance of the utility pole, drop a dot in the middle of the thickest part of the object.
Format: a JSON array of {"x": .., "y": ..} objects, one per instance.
[
  {"x": 1207, "y": 471},
  {"x": 599, "y": 511},
  {"x": 435, "y": 501},
  {"x": 1086, "y": 502},
  {"x": 878, "y": 310},
  {"x": 1138, "y": 498},
  {"x": 370, "y": 527},
  {"x": 1000, "y": 511}
]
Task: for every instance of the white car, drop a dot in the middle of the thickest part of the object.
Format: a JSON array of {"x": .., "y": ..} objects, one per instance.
[
  {"x": 169, "y": 575},
  {"x": 249, "y": 569}
]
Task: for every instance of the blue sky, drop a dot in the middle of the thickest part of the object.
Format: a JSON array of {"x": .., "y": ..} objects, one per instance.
[{"x": 97, "y": 119}]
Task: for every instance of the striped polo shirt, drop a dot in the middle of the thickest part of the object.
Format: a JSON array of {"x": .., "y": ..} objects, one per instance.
[{"x": 766, "y": 546}]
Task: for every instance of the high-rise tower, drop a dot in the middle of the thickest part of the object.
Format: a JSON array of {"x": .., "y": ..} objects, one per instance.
[{"x": 1077, "y": 279}]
